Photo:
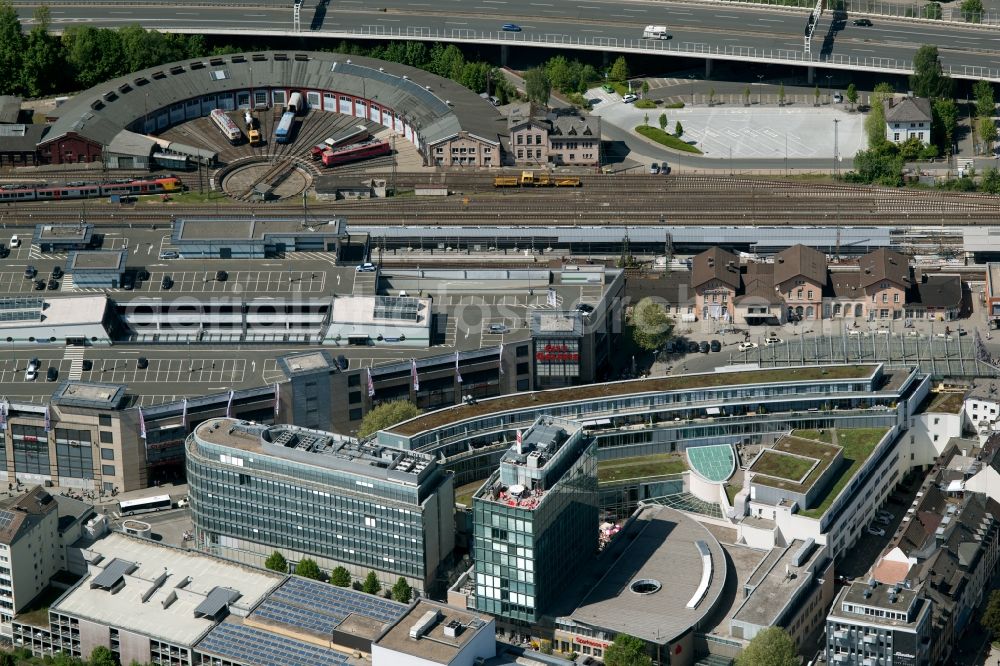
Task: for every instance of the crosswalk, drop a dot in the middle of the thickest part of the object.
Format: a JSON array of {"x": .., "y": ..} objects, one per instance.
[
  {"x": 74, "y": 355},
  {"x": 67, "y": 282}
]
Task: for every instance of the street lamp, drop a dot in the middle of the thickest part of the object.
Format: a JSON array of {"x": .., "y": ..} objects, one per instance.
[
  {"x": 829, "y": 89},
  {"x": 836, "y": 167},
  {"x": 691, "y": 78},
  {"x": 760, "y": 88}
]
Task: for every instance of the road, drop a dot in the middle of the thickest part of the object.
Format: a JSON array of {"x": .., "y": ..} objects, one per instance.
[{"x": 693, "y": 26}]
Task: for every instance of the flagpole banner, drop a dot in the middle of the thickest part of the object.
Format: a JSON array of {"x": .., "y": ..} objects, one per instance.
[
  {"x": 501, "y": 358},
  {"x": 371, "y": 384},
  {"x": 413, "y": 372},
  {"x": 277, "y": 398},
  {"x": 48, "y": 420},
  {"x": 184, "y": 413},
  {"x": 4, "y": 406},
  {"x": 458, "y": 375},
  {"x": 142, "y": 424},
  {"x": 229, "y": 405}
]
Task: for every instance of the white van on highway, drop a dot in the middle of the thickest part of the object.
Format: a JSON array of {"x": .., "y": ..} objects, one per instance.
[{"x": 655, "y": 32}]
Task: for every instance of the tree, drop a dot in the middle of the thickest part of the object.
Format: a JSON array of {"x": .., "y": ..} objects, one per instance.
[
  {"x": 944, "y": 123},
  {"x": 7, "y": 659},
  {"x": 987, "y": 132},
  {"x": 308, "y": 568},
  {"x": 928, "y": 78},
  {"x": 881, "y": 164},
  {"x": 678, "y": 130},
  {"x": 645, "y": 119},
  {"x": 985, "y": 103},
  {"x": 663, "y": 122},
  {"x": 932, "y": 10},
  {"x": 340, "y": 577},
  {"x": 645, "y": 89},
  {"x": 11, "y": 48},
  {"x": 537, "y": 86},
  {"x": 972, "y": 10},
  {"x": 746, "y": 96},
  {"x": 651, "y": 327},
  {"x": 781, "y": 95},
  {"x": 852, "y": 94},
  {"x": 770, "y": 647},
  {"x": 102, "y": 656},
  {"x": 387, "y": 414},
  {"x": 991, "y": 181},
  {"x": 401, "y": 591},
  {"x": 560, "y": 74},
  {"x": 619, "y": 70},
  {"x": 711, "y": 97},
  {"x": 991, "y": 617},
  {"x": 276, "y": 562},
  {"x": 627, "y": 651},
  {"x": 875, "y": 122},
  {"x": 371, "y": 584},
  {"x": 42, "y": 63}
]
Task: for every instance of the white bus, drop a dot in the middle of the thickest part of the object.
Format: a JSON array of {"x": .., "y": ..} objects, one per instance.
[
  {"x": 655, "y": 32},
  {"x": 145, "y": 505}
]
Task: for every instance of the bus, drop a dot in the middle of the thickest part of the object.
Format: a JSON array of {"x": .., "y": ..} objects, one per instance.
[
  {"x": 655, "y": 32},
  {"x": 226, "y": 124},
  {"x": 145, "y": 505},
  {"x": 284, "y": 132},
  {"x": 356, "y": 152}
]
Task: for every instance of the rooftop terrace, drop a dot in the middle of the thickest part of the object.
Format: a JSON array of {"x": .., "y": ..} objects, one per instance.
[
  {"x": 794, "y": 463},
  {"x": 537, "y": 399},
  {"x": 857, "y": 445}
]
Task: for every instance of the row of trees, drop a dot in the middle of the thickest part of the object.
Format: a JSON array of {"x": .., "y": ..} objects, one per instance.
[
  {"x": 341, "y": 577},
  {"x": 771, "y": 647},
  {"x": 101, "y": 656},
  {"x": 984, "y": 125},
  {"x": 570, "y": 77}
]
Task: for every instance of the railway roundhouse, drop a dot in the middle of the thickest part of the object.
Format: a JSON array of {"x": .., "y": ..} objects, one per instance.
[{"x": 448, "y": 124}]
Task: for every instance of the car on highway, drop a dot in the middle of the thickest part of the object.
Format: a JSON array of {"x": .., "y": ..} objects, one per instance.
[
  {"x": 366, "y": 267},
  {"x": 170, "y": 254},
  {"x": 15, "y": 241},
  {"x": 863, "y": 22},
  {"x": 747, "y": 346},
  {"x": 607, "y": 88},
  {"x": 629, "y": 98},
  {"x": 772, "y": 341},
  {"x": 716, "y": 345},
  {"x": 876, "y": 531},
  {"x": 511, "y": 27},
  {"x": 654, "y": 168},
  {"x": 52, "y": 374}
]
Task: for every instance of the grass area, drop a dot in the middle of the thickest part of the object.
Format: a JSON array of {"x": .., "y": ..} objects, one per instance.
[
  {"x": 36, "y": 613},
  {"x": 664, "y": 139},
  {"x": 459, "y": 413},
  {"x": 609, "y": 471},
  {"x": 620, "y": 87},
  {"x": 948, "y": 403},
  {"x": 463, "y": 494},
  {"x": 858, "y": 444},
  {"x": 732, "y": 491},
  {"x": 782, "y": 465},
  {"x": 645, "y": 104},
  {"x": 824, "y": 436}
]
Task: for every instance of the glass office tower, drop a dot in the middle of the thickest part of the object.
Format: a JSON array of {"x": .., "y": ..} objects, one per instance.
[
  {"x": 535, "y": 520},
  {"x": 306, "y": 493}
]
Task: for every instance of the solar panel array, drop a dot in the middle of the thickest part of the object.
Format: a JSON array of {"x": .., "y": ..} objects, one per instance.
[
  {"x": 20, "y": 309},
  {"x": 320, "y": 607},
  {"x": 393, "y": 307},
  {"x": 248, "y": 645},
  {"x": 6, "y": 517}
]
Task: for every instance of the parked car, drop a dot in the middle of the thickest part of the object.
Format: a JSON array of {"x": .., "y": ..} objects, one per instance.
[
  {"x": 15, "y": 241},
  {"x": 772, "y": 341},
  {"x": 704, "y": 347},
  {"x": 366, "y": 267},
  {"x": 143, "y": 274},
  {"x": 584, "y": 308},
  {"x": 863, "y": 22},
  {"x": 747, "y": 346},
  {"x": 142, "y": 362},
  {"x": 607, "y": 88},
  {"x": 629, "y": 98},
  {"x": 654, "y": 168},
  {"x": 499, "y": 329},
  {"x": 170, "y": 254},
  {"x": 838, "y": 98},
  {"x": 39, "y": 285},
  {"x": 716, "y": 346},
  {"x": 31, "y": 374},
  {"x": 882, "y": 513},
  {"x": 342, "y": 361},
  {"x": 664, "y": 168},
  {"x": 88, "y": 365},
  {"x": 669, "y": 347},
  {"x": 128, "y": 281},
  {"x": 167, "y": 282},
  {"x": 511, "y": 27},
  {"x": 30, "y": 272},
  {"x": 53, "y": 284},
  {"x": 882, "y": 520},
  {"x": 876, "y": 531},
  {"x": 4, "y": 251},
  {"x": 57, "y": 272},
  {"x": 52, "y": 374},
  {"x": 692, "y": 347},
  {"x": 221, "y": 276}
]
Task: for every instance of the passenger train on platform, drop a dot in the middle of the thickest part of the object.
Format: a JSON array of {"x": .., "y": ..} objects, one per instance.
[{"x": 82, "y": 190}]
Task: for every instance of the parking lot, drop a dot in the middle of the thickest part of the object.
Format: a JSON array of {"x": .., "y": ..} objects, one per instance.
[{"x": 15, "y": 283}]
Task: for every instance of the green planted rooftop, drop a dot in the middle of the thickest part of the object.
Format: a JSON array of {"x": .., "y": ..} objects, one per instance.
[
  {"x": 622, "y": 469},
  {"x": 856, "y": 444},
  {"x": 591, "y": 392},
  {"x": 783, "y": 465}
]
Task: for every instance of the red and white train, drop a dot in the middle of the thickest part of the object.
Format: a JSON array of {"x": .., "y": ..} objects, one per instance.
[
  {"x": 356, "y": 152},
  {"x": 80, "y": 190},
  {"x": 228, "y": 127}
]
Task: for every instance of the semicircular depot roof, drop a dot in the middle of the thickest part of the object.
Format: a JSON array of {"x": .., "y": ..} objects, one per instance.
[
  {"x": 715, "y": 462},
  {"x": 437, "y": 107}
]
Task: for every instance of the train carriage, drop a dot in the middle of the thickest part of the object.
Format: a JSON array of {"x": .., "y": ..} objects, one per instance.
[
  {"x": 285, "y": 132},
  {"x": 80, "y": 190},
  {"x": 356, "y": 152},
  {"x": 68, "y": 191},
  {"x": 226, "y": 126}
]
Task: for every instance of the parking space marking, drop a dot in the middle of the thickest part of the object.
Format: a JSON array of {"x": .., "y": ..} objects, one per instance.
[
  {"x": 224, "y": 372},
  {"x": 12, "y": 369},
  {"x": 240, "y": 282}
]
